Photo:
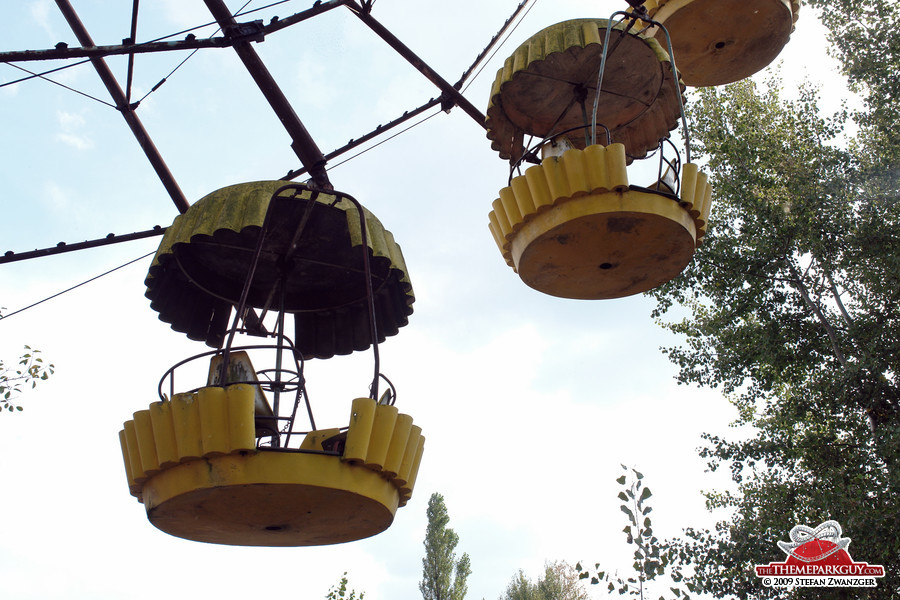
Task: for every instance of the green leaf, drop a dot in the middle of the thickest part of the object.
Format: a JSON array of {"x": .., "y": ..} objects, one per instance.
[
  {"x": 646, "y": 493},
  {"x": 621, "y": 480}
]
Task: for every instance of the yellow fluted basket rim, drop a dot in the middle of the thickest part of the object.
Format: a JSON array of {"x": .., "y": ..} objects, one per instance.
[{"x": 594, "y": 170}]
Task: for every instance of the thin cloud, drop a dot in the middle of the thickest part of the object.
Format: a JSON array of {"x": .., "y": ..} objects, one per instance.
[
  {"x": 76, "y": 141},
  {"x": 40, "y": 12},
  {"x": 71, "y": 124}
]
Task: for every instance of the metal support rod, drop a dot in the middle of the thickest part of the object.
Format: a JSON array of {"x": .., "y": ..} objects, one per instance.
[
  {"x": 453, "y": 95},
  {"x": 113, "y": 50},
  {"x": 317, "y": 9},
  {"x": 63, "y": 247},
  {"x": 133, "y": 38},
  {"x": 303, "y": 145},
  {"x": 279, "y": 355},
  {"x": 137, "y": 128},
  {"x": 190, "y": 43}
]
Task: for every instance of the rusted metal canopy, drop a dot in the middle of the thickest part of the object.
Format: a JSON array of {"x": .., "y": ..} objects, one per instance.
[
  {"x": 549, "y": 83},
  {"x": 310, "y": 264},
  {"x": 722, "y": 41}
]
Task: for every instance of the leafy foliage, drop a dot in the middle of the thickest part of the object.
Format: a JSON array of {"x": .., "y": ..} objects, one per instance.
[
  {"x": 651, "y": 556},
  {"x": 29, "y": 369},
  {"x": 794, "y": 311},
  {"x": 443, "y": 577},
  {"x": 865, "y": 38},
  {"x": 560, "y": 581},
  {"x": 340, "y": 591}
]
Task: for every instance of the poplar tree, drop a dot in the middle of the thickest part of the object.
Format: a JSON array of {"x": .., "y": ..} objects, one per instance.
[
  {"x": 793, "y": 305},
  {"x": 443, "y": 577}
]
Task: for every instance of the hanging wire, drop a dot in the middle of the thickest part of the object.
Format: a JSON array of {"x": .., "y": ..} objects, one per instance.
[
  {"x": 41, "y": 76},
  {"x": 387, "y": 139},
  {"x": 77, "y": 286},
  {"x": 496, "y": 50},
  {"x": 241, "y": 12},
  {"x": 187, "y": 58}
]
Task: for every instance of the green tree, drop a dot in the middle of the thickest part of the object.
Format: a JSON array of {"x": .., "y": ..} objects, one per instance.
[
  {"x": 865, "y": 38},
  {"x": 560, "y": 581},
  {"x": 652, "y": 557},
  {"x": 340, "y": 591},
  {"x": 443, "y": 577},
  {"x": 28, "y": 370},
  {"x": 794, "y": 312}
]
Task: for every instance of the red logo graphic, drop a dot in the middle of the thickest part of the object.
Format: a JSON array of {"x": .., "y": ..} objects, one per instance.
[{"x": 818, "y": 558}]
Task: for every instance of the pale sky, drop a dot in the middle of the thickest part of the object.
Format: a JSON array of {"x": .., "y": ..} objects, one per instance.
[{"x": 528, "y": 403}]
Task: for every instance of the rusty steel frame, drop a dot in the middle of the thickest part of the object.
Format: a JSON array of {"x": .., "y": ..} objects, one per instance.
[
  {"x": 189, "y": 43},
  {"x": 451, "y": 94},
  {"x": 302, "y": 144},
  {"x": 63, "y": 247},
  {"x": 118, "y": 96},
  {"x": 237, "y": 36}
]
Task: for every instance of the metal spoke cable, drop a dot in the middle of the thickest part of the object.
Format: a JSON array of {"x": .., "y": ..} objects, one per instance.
[
  {"x": 241, "y": 12},
  {"x": 62, "y": 85},
  {"x": 78, "y": 285},
  {"x": 387, "y": 139},
  {"x": 41, "y": 75},
  {"x": 186, "y": 58},
  {"x": 497, "y": 49}
]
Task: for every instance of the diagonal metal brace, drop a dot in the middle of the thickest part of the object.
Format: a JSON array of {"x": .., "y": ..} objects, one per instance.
[
  {"x": 303, "y": 144},
  {"x": 451, "y": 94},
  {"x": 118, "y": 96}
]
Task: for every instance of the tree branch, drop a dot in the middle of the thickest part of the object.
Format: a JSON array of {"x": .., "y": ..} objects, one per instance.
[{"x": 817, "y": 311}]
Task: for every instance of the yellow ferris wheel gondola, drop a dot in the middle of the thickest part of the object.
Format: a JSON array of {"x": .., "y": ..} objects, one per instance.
[
  {"x": 547, "y": 86},
  {"x": 218, "y": 463},
  {"x": 722, "y": 41}
]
